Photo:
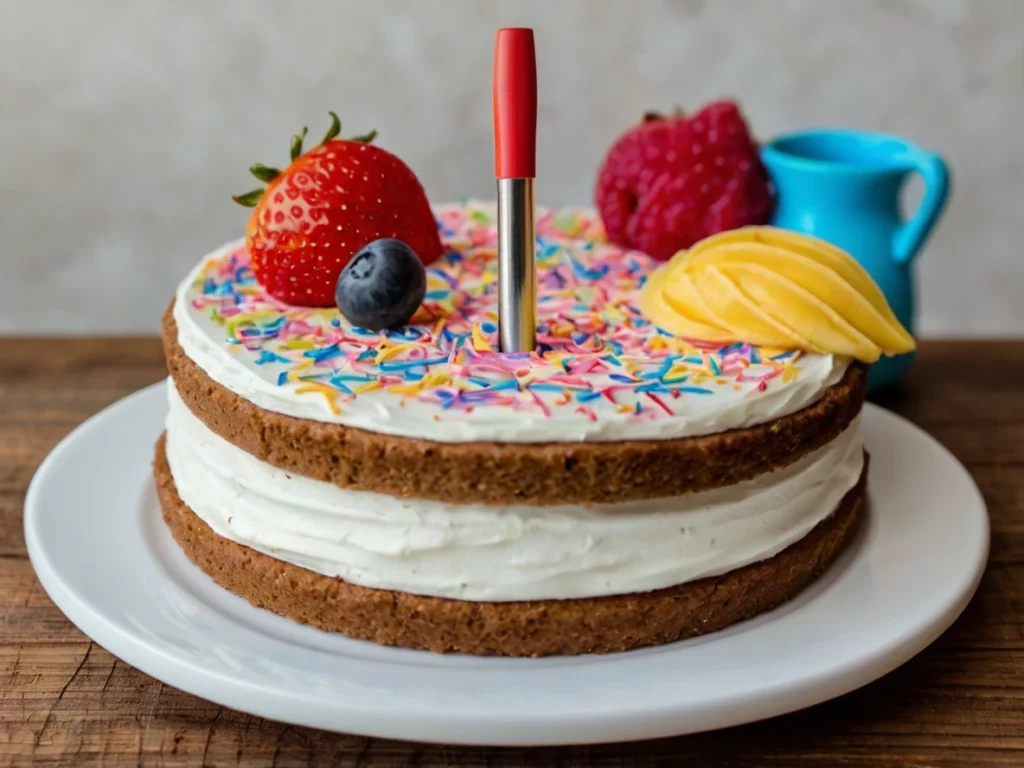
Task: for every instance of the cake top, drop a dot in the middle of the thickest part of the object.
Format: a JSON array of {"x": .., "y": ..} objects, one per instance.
[{"x": 601, "y": 372}]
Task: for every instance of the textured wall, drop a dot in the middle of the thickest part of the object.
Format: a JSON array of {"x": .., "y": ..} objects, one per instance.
[{"x": 125, "y": 126}]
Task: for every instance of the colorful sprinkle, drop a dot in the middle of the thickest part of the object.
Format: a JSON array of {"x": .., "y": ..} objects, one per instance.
[{"x": 595, "y": 349}]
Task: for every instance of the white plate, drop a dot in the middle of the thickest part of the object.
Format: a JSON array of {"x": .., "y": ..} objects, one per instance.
[{"x": 101, "y": 550}]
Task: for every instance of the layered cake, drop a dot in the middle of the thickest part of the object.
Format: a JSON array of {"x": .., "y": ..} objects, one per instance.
[{"x": 680, "y": 452}]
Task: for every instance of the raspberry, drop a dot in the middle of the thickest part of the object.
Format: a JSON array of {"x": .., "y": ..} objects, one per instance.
[{"x": 671, "y": 181}]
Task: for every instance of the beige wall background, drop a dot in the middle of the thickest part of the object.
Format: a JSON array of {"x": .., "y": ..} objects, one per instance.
[{"x": 126, "y": 125}]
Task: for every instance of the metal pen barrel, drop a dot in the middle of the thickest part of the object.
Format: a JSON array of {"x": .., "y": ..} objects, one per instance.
[
  {"x": 515, "y": 167},
  {"x": 517, "y": 268}
]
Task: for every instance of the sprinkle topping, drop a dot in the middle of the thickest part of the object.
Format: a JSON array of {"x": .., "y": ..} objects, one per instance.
[{"x": 597, "y": 359}]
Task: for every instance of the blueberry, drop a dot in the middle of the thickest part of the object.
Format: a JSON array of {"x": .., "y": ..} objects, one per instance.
[{"x": 383, "y": 286}]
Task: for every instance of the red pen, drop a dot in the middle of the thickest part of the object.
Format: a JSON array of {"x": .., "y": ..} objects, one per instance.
[{"x": 515, "y": 161}]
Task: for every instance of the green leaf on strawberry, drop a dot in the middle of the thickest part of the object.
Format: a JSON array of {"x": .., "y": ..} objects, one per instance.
[
  {"x": 264, "y": 173},
  {"x": 249, "y": 199}
]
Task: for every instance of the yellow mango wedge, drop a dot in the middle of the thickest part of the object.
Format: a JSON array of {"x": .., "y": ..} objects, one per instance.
[
  {"x": 746, "y": 320},
  {"x": 775, "y": 288}
]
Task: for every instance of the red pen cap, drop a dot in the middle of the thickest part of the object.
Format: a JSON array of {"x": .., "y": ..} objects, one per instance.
[{"x": 515, "y": 104}]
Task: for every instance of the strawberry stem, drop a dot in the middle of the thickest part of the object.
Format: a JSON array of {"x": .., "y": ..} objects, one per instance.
[
  {"x": 334, "y": 130},
  {"x": 267, "y": 174},
  {"x": 297, "y": 140},
  {"x": 263, "y": 172},
  {"x": 249, "y": 199},
  {"x": 366, "y": 138}
]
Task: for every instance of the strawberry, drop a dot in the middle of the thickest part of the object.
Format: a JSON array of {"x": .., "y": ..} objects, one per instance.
[
  {"x": 320, "y": 211},
  {"x": 671, "y": 181}
]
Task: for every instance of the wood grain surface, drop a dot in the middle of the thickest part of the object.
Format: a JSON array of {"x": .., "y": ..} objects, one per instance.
[{"x": 66, "y": 701}]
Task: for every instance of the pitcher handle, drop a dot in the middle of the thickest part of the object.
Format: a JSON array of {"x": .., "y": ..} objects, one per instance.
[{"x": 911, "y": 236}]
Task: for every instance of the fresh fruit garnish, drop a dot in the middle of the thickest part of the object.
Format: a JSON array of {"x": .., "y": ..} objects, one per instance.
[
  {"x": 774, "y": 288},
  {"x": 383, "y": 286},
  {"x": 673, "y": 180},
  {"x": 321, "y": 210}
]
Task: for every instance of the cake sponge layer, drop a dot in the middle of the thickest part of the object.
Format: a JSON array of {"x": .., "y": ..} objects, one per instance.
[
  {"x": 525, "y": 628},
  {"x": 511, "y": 473}
]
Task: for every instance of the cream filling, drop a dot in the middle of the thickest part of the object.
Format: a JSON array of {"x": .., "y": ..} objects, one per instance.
[
  {"x": 202, "y": 340},
  {"x": 499, "y": 553}
]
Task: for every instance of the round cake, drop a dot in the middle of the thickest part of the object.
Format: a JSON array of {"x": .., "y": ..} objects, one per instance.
[{"x": 620, "y": 486}]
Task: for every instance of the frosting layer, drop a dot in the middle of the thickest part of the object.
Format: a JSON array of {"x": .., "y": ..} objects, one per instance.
[
  {"x": 601, "y": 372},
  {"x": 505, "y": 553}
]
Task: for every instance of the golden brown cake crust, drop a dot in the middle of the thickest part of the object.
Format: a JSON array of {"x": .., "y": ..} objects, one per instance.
[
  {"x": 529, "y": 628},
  {"x": 505, "y": 473}
]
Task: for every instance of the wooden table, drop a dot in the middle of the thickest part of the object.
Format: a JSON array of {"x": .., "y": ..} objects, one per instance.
[{"x": 67, "y": 701}]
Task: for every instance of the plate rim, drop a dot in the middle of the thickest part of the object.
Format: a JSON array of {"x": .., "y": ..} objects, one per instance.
[{"x": 434, "y": 726}]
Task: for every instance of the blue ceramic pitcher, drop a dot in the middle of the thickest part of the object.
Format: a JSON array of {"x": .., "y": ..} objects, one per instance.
[{"x": 844, "y": 186}]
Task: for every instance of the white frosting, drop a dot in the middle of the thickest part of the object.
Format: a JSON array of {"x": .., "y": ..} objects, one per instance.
[
  {"x": 730, "y": 407},
  {"x": 497, "y": 553}
]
